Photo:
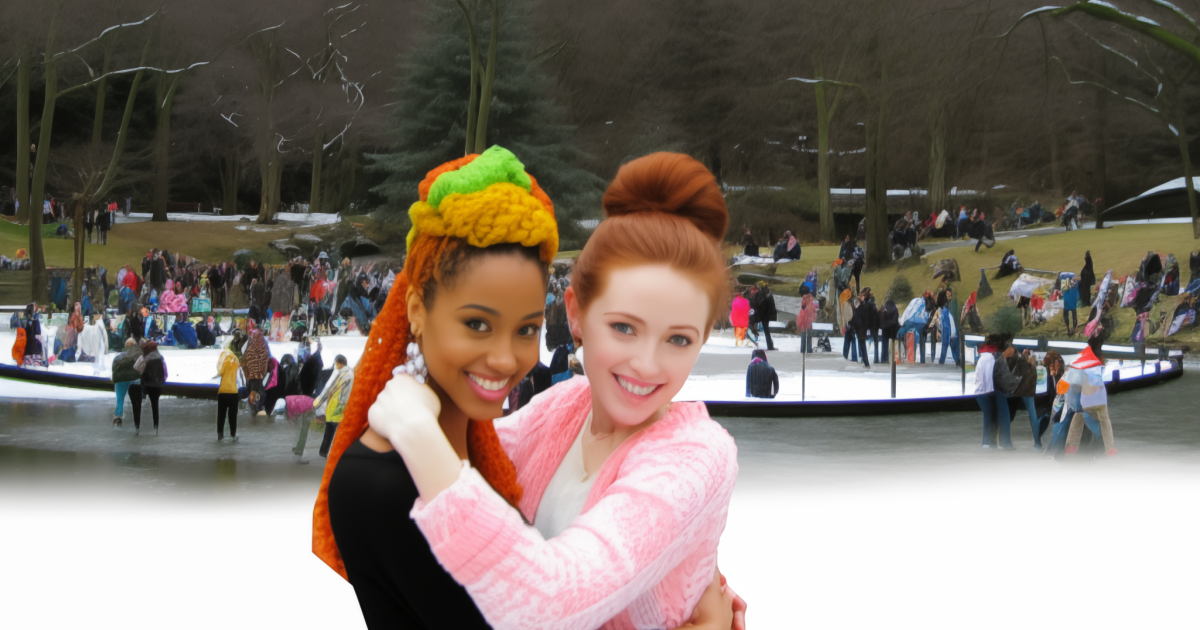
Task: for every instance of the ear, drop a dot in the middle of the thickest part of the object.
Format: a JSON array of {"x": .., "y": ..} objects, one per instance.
[
  {"x": 574, "y": 314},
  {"x": 416, "y": 312}
]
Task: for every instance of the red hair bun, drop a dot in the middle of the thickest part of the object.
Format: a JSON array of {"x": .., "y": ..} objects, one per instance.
[{"x": 672, "y": 183}]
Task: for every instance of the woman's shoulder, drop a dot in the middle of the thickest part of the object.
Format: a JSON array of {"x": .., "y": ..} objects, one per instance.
[{"x": 687, "y": 431}]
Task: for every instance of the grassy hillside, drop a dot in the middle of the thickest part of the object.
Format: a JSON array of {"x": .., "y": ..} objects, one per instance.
[
  {"x": 1120, "y": 248},
  {"x": 206, "y": 240}
]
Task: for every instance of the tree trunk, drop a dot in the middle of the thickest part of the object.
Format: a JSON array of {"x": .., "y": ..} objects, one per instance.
[
  {"x": 828, "y": 232},
  {"x": 937, "y": 160},
  {"x": 122, "y": 135},
  {"x": 473, "y": 98},
  {"x": 485, "y": 95},
  {"x": 879, "y": 252},
  {"x": 1185, "y": 154},
  {"x": 102, "y": 89},
  {"x": 1055, "y": 171},
  {"x": 162, "y": 145},
  {"x": 39, "y": 279},
  {"x": 314, "y": 195},
  {"x": 230, "y": 170},
  {"x": 1098, "y": 152},
  {"x": 23, "y": 70},
  {"x": 271, "y": 170},
  {"x": 80, "y": 244}
]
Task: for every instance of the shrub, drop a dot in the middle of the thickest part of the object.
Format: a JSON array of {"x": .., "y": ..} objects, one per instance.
[
  {"x": 1006, "y": 319},
  {"x": 901, "y": 290}
]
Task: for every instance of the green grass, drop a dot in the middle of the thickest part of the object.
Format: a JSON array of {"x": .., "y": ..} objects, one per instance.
[
  {"x": 213, "y": 241},
  {"x": 1120, "y": 248}
]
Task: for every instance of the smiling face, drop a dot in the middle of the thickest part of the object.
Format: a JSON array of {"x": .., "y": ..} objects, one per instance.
[
  {"x": 642, "y": 336},
  {"x": 480, "y": 336}
]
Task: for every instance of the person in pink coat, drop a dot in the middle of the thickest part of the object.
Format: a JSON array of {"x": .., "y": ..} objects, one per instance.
[
  {"x": 627, "y": 492},
  {"x": 739, "y": 318}
]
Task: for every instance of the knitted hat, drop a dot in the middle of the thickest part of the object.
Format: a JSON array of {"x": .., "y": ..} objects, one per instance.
[{"x": 476, "y": 201}]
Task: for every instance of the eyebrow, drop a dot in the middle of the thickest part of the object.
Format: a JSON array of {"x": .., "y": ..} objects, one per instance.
[
  {"x": 493, "y": 312},
  {"x": 642, "y": 321}
]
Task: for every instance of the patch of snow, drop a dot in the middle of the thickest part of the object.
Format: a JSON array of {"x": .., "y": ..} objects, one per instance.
[{"x": 282, "y": 217}]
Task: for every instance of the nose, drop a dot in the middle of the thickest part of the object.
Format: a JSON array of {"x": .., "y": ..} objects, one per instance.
[
  {"x": 645, "y": 361},
  {"x": 501, "y": 357}
]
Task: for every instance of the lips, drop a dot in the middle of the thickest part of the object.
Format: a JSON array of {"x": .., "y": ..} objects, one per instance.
[
  {"x": 640, "y": 389},
  {"x": 488, "y": 389}
]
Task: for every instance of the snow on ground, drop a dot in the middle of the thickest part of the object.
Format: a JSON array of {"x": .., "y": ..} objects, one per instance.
[
  {"x": 850, "y": 383},
  {"x": 282, "y": 217},
  {"x": 743, "y": 259}
]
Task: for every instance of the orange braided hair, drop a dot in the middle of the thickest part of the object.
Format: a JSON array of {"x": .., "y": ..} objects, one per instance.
[{"x": 435, "y": 237}]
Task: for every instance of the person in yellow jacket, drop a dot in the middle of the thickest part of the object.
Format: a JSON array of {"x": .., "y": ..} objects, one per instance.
[
  {"x": 227, "y": 394},
  {"x": 334, "y": 398}
]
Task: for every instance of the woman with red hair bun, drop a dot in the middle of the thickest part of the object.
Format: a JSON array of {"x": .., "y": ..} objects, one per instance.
[
  {"x": 463, "y": 318},
  {"x": 627, "y": 491}
]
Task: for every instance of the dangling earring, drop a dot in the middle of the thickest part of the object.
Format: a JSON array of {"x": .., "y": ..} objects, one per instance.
[{"x": 415, "y": 365}]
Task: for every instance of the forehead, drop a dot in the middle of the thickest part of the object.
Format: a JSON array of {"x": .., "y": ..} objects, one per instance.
[
  {"x": 495, "y": 281},
  {"x": 655, "y": 291}
]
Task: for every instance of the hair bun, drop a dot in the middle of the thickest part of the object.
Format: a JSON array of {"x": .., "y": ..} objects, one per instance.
[{"x": 669, "y": 183}]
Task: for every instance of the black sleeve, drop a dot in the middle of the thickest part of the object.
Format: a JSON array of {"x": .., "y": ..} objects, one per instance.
[{"x": 774, "y": 383}]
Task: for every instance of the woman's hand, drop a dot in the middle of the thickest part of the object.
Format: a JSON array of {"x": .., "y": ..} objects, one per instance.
[
  {"x": 719, "y": 608},
  {"x": 406, "y": 414},
  {"x": 402, "y": 405}
]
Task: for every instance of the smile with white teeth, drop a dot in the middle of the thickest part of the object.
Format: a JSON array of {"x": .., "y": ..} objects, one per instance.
[
  {"x": 491, "y": 386},
  {"x": 634, "y": 389}
]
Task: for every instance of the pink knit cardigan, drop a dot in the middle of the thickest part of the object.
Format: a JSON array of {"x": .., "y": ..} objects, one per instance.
[{"x": 640, "y": 555}]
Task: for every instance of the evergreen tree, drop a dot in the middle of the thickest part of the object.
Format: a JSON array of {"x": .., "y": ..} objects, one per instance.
[{"x": 430, "y": 122}]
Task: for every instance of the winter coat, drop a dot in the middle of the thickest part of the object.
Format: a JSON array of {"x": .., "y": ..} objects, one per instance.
[
  {"x": 739, "y": 313},
  {"x": 94, "y": 340},
  {"x": 256, "y": 358},
  {"x": 763, "y": 304},
  {"x": 123, "y": 369},
  {"x": 310, "y": 373},
  {"x": 336, "y": 395},
  {"x": 1026, "y": 372},
  {"x": 761, "y": 380},
  {"x": 152, "y": 366},
  {"x": 889, "y": 319},
  {"x": 1071, "y": 298}
]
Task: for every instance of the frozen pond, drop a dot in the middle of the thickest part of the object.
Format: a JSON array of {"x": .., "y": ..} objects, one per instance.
[{"x": 907, "y": 510}]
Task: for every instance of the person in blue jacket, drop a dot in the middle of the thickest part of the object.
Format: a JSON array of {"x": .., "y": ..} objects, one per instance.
[{"x": 1070, "y": 303}]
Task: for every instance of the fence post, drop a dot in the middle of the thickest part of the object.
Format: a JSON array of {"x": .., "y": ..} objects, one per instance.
[
  {"x": 804, "y": 364},
  {"x": 893, "y": 351},
  {"x": 962, "y": 359}
]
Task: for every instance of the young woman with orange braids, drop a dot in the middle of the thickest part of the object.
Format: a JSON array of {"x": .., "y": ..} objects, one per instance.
[
  {"x": 627, "y": 492},
  {"x": 470, "y": 298}
]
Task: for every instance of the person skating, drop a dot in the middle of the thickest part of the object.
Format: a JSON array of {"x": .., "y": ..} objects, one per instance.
[
  {"x": 334, "y": 398},
  {"x": 124, "y": 376},
  {"x": 227, "y": 393},
  {"x": 763, "y": 311},
  {"x": 761, "y": 379},
  {"x": 1023, "y": 367},
  {"x": 1086, "y": 377},
  {"x": 993, "y": 382},
  {"x": 739, "y": 317},
  {"x": 863, "y": 322},
  {"x": 153, "y": 369},
  {"x": 255, "y": 363},
  {"x": 947, "y": 314}
]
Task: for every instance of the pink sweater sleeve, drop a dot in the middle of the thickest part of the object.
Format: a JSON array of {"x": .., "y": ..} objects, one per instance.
[{"x": 671, "y": 497}]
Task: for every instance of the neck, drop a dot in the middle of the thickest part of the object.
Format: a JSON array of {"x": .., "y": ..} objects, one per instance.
[
  {"x": 604, "y": 426},
  {"x": 453, "y": 421}
]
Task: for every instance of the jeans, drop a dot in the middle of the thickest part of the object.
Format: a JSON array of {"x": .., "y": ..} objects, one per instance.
[
  {"x": 136, "y": 393},
  {"x": 227, "y": 405},
  {"x": 327, "y": 441},
  {"x": 1076, "y": 431},
  {"x": 121, "y": 388},
  {"x": 995, "y": 412},
  {"x": 952, "y": 344},
  {"x": 850, "y": 345},
  {"x": 806, "y": 341},
  {"x": 1014, "y": 405},
  {"x": 1071, "y": 323}
]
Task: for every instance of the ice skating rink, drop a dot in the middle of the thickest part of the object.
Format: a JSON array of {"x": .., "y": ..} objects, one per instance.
[{"x": 835, "y": 523}]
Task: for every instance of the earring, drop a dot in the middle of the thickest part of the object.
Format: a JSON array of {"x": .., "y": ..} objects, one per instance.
[{"x": 415, "y": 366}]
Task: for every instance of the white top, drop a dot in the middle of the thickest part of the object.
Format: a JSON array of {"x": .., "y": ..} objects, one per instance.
[
  {"x": 567, "y": 492},
  {"x": 983, "y": 373}
]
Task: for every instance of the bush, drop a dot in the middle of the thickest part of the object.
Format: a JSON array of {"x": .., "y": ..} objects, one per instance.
[
  {"x": 1006, "y": 319},
  {"x": 901, "y": 291}
]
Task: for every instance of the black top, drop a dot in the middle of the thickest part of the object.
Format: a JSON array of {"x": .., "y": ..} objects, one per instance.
[
  {"x": 761, "y": 380},
  {"x": 398, "y": 580}
]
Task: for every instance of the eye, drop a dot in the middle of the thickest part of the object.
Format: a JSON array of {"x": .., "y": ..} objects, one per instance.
[
  {"x": 531, "y": 330},
  {"x": 624, "y": 329},
  {"x": 478, "y": 325},
  {"x": 680, "y": 340}
]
